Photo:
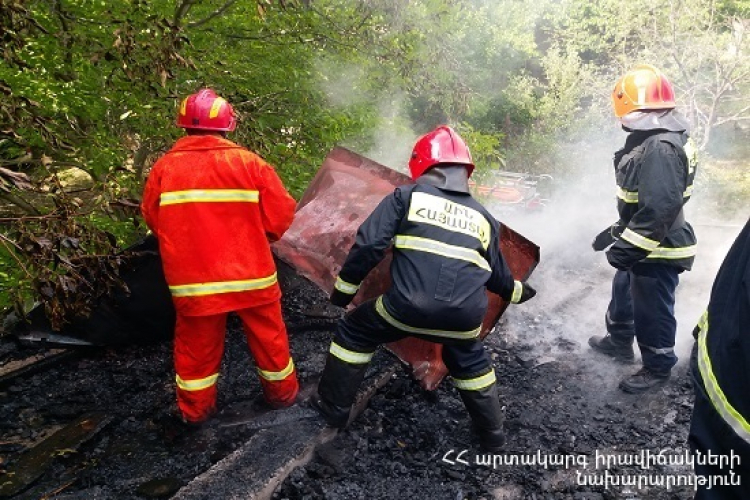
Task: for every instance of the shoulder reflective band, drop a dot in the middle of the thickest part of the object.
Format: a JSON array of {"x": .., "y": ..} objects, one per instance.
[
  {"x": 345, "y": 286},
  {"x": 719, "y": 400},
  {"x": 209, "y": 196},
  {"x": 674, "y": 253},
  {"x": 427, "y": 208},
  {"x": 477, "y": 383},
  {"x": 198, "y": 289},
  {"x": 640, "y": 241},
  {"x": 451, "y": 334},
  {"x": 280, "y": 375},
  {"x": 632, "y": 196},
  {"x": 351, "y": 357},
  {"x": 439, "y": 248},
  {"x": 196, "y": 384},
  {"x": 517, "y": 291}
]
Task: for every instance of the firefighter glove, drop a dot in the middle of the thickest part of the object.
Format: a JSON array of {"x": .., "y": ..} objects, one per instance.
[{"x": 607, "y": 237}]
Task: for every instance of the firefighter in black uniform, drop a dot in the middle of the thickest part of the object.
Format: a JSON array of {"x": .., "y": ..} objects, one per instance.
[
  {"x": 721, "y": 378},
  {"x": 653, "y": 243},
  {"x": 445, "y": 255}
]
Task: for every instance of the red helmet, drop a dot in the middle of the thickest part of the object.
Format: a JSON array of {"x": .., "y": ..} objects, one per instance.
[
  {"x": 643, "y": 87},
  {"x": 442, "y": 145},
  {"x": 205, "y": 110}
]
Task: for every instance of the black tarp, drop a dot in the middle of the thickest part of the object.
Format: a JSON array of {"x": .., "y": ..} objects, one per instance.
[{"x": 142, "y": 314}]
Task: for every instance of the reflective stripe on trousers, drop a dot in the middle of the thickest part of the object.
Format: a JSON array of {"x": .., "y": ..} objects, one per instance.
[
  {"x": 196, "y": 384},
  {"x": 451, "y": 334},
  {"x": 475, "y": 383},
  {"x": 274, "y": 376},
  {"x": 349, "y": 356}
]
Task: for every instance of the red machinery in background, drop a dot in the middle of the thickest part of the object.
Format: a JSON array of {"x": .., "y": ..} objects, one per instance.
[
  {"x": 511, "y": 190},
  {"x": 344, "y": 192}
]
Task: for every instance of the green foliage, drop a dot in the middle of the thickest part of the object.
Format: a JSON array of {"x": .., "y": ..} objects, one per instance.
[
  {"x": 94, "y": 85},
  {"x": 485, "y": 150}
]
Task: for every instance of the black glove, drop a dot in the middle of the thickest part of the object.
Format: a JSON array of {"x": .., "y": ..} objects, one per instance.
[
  {"x": 607, "y": 237},
  {"x": 339, "y": 298},
  {"x": 624, "y": 259},
  {"x": 527, "y": 292}
]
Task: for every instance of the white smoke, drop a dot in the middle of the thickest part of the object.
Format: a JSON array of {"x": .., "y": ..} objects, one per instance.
[{"x": 573, "y": 281}]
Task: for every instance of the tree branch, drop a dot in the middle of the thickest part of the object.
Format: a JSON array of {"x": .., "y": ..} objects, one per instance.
[
  {"x": 20, "y": 203},
  {"x": 213, "y": 15},
  {"x": 8, "y": 243},
  {"x": 181, "y": 11}
]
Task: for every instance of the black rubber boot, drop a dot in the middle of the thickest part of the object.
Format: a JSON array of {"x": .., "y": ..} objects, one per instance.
[
  {"x": 486, "y": 416},
  {"x": 337, "y": 390},
  {"x": 644, "y": 380},
  {"x": 618, "y": 347}
]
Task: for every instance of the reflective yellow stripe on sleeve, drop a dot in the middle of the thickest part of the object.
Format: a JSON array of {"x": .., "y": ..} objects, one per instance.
[
  {"x": 199, "y": 289},
  {"x": 719, "y": 400},
  {"x": 640, "y": 241},
  {"x": 477, "y": 383},
  {"x": 345, "y": 286},
  {"x": 517, "y": 291},
  {"x": 632, "y": 196},
  {"x": 280, "y": 375},
  {"x": 627, "y": 196},
  {"x": 674, "y": 253},
  {"x": 208, "y": 196},
  {"x": 351, "y": 357},
  {"x": 417, "y": 243},
  {"x": 196, "y": 384},
  {"x": 451, "y": 334}
]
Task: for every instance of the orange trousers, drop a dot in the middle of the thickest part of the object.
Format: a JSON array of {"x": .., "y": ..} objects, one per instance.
[{"x": 199, "y": 347}]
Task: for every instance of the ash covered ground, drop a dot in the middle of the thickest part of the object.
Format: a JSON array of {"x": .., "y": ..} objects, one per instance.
[
  {"x": 134, "y": 388},
  {"x": 561, "y": 400}
]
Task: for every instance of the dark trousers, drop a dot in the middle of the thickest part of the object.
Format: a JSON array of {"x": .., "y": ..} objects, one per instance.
[
  {"x": 642, "y": 306},
  {"x": 363, "y": 330}
]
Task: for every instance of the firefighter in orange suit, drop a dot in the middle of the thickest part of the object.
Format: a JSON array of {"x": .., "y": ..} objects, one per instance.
[{"x": 214, "y": 207}]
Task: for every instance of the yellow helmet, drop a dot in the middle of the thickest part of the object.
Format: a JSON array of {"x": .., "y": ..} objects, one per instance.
[{"x": 643, "y": 87}]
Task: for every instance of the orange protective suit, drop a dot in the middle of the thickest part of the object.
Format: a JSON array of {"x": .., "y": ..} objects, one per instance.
[{"x": 214, "y": 206}]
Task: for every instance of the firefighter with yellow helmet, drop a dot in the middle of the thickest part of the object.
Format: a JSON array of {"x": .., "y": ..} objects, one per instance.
[{"x": 652, "y": 242}]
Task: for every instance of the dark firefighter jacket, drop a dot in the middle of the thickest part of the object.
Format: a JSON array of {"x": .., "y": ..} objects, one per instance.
[
  {"x": 654, "y": 172},
  {"x": 445, "y": 255},
  {"x": 724, "y": 340}
]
